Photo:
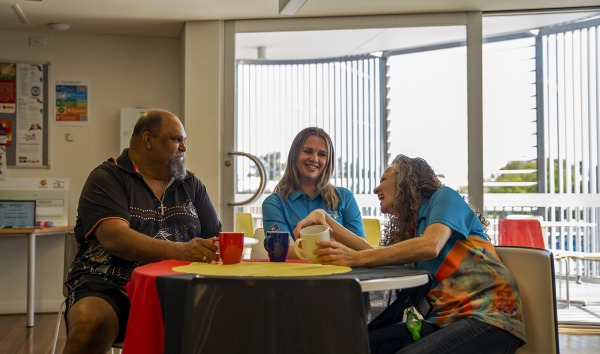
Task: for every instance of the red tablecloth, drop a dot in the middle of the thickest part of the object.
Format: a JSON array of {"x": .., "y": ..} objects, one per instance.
[{"x": 147, "y": 321}]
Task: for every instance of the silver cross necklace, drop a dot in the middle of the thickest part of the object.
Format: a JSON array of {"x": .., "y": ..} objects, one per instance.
[{"x": 162, "y": 206}]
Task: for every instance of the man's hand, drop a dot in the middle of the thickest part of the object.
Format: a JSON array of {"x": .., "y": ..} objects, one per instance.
[
  {"x": 118, "y": 239},
  {"x": 200, "y": 250}
]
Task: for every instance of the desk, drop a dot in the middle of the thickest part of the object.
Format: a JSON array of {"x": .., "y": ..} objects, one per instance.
[
  {"x": 145, "y": 330},
  {"x": 31, "y": 234}
]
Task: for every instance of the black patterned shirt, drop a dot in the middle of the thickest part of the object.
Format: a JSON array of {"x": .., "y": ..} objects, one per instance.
[{"x": 116, "y": 190}]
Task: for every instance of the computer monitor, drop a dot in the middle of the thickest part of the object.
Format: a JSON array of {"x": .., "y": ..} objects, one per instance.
[{"x": 17, "y": 213}]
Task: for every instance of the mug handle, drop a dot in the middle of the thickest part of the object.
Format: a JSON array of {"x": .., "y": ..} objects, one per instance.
[
  {"x": 267, "y": 244},
  {"x": 296, "y": 250}
]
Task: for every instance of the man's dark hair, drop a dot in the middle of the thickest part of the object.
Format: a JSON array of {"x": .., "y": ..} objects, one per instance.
[{"x": 148, "y": 122}]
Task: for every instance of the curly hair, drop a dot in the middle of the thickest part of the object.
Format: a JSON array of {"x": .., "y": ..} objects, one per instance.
[
  {"x": 484, "y": 222},
  {"x": 414, "y": 181},
  {"x": 290, "y": 181}
]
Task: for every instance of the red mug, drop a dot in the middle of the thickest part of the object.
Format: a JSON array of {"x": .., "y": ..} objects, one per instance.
[{"x": 231, "y": 246}]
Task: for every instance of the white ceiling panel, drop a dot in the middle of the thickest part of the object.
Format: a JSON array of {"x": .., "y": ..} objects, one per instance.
[{"x": 166, "y": 17}]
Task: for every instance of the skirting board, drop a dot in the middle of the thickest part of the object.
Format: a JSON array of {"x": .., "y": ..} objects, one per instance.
[{"x": 20, "y": 307}]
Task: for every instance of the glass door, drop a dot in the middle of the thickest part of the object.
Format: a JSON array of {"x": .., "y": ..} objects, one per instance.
[{"x": 378, "y": 85}]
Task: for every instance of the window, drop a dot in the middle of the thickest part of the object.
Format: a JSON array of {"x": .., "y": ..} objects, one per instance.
[
  {"x": 373, "y": 105},
  {"x": 277, "y": 99}
]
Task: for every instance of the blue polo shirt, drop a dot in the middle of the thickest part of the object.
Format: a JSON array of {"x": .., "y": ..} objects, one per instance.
[{"x": 284, "y": 215}]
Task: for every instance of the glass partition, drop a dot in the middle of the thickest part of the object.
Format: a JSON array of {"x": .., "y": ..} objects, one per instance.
[{"x": 541, "y": 138}]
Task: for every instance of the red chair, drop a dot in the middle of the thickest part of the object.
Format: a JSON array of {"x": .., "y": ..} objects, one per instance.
[{"x": 520, "y": 232}]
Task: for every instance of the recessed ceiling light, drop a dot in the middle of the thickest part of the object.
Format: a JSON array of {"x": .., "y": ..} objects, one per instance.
[{"x": 59, "y": 27}]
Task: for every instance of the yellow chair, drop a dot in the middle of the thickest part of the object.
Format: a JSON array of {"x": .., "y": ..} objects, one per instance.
[
  {"x": 244, "y": 223},
  {"x": 372, "y": 231}
]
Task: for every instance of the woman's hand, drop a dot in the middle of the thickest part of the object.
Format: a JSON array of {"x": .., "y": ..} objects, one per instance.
[
  {"x": 334, "y": 253},
  {"x": 316, "y": 217}
]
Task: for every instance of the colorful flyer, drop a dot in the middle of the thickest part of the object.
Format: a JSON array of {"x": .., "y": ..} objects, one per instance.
[
  {"x": 72, "y": 101},
  {"x": 8, "y": 87}
]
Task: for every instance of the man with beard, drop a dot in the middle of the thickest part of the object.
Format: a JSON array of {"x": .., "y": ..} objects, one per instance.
[{"x": 139, "y": 208}]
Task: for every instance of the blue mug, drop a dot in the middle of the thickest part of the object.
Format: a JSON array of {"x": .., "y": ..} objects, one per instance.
[{"x": 277, "y": 244}]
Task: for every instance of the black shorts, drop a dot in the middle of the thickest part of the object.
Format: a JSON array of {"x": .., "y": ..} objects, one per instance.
[{"x": 115, "y": 296}]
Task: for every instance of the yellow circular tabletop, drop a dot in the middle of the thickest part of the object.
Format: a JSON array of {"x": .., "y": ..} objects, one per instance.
[{"x": 261, "y": 269}]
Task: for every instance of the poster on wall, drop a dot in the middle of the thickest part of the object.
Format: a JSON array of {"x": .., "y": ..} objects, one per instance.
[
  {"x": 72, "y": 101},
  {"x": 28, "y": 133},
  {"x": 24, "y": 114},
  {"x": 8, "y": 87}
]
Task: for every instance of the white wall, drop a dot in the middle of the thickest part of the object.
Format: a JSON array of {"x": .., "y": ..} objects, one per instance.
[
  {"x": 122, "y": 71},
  {"x": 202, "y": 44}
]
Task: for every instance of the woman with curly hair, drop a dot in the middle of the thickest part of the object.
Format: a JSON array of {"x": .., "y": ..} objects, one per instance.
[
  {"x": 305, "y": 186},
  {"x": 475, "y": 304}
]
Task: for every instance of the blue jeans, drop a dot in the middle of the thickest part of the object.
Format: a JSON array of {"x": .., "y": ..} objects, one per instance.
[{"x": 464, "y": 336}]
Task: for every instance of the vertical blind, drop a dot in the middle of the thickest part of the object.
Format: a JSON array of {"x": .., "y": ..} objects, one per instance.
[
  {"x": 569, "y": 63},
  {"x": 277, "y": 99},
  {"x": 570, "y": 68}
]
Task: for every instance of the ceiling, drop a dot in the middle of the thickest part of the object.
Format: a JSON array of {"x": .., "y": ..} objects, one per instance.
[
  {"x": 166, "y": 19},
  {"x": 298, "y": 45}
]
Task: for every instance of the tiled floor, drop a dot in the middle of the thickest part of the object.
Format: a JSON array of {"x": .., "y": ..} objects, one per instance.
[
  {"x": 575, "y": 339},
  {"x": 579, "y": 344},
  {"x": 577, "y": 312}
]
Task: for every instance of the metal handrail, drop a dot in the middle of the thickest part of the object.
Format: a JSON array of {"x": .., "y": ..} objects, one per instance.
[{"x": 261, "y": 172}]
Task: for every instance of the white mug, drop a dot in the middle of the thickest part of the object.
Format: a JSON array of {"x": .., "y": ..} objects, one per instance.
[{"x": 308, "y": 237}]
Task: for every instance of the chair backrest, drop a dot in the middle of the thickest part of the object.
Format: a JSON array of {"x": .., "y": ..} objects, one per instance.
[
  {"x": 244, "y": 223},
  {"x": 533, "y": 270},
  {"x": 521, "y": 232},
  {"x": 258, "y": 250},
  {"x": 70, "y": 253},
  {"x": 525, "y": 217},
  {"x": 300, "y": 315},
  {"x": 372, "y": 230}
]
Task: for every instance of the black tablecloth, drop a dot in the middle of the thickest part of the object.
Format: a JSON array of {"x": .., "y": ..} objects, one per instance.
[{"x": 271, "y": 312}]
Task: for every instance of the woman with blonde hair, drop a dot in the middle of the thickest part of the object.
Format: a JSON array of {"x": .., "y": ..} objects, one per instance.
[
  {"x": 475, "y": 305},
  {"x": 305, "y": 186}
]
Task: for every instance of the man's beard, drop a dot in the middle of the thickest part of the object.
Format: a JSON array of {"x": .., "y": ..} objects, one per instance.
[{"x": 177, "y": 166}]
